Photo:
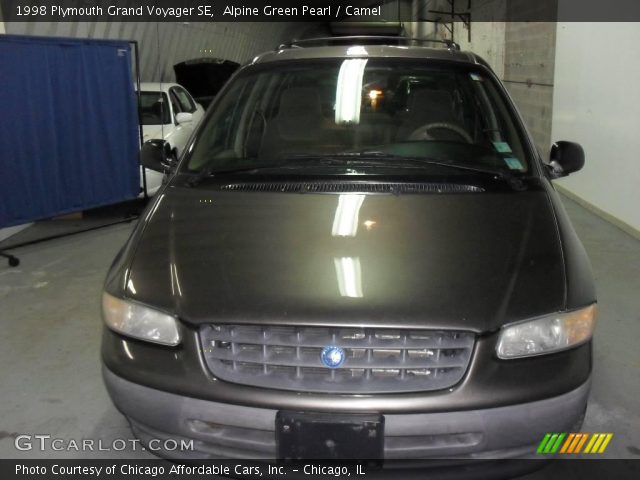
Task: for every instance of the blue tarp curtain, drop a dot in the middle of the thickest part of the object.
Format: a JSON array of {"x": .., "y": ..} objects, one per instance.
[{"x": 68, "y": 126}]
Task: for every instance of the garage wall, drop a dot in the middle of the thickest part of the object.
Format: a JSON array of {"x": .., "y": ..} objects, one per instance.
[
  {"x": 163, "y": 44},
  {"x": 596, "y": 102},
  {"x": 529, "y": 75},
  {"x": 521, "y": 53},
  {"x": 487, "y": 40},
  {"x": 487, "y": 37}
]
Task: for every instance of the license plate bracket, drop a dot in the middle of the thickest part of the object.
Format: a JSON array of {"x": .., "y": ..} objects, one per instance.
[{"x": 303, "y": 435}]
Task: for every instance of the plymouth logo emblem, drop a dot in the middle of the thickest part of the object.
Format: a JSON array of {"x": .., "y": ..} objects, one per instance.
[{"x": 332, "y": 357}]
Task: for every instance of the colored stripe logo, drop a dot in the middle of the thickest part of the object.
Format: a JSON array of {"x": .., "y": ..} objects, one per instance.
[{"x": 573, "y": 443}]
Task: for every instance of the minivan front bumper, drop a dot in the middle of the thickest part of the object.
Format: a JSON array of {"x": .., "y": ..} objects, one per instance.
[{"x": 222, "y": 430}]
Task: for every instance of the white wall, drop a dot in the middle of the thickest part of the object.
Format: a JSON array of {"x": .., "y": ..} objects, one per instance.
[{"x": 596, "y": 103}]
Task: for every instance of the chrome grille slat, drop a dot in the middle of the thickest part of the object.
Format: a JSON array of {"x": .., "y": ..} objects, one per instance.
[
  {"x": 433, "y": 339},
  {"x": 313, "y": 360},
  {"x": 377, "y": 360}
]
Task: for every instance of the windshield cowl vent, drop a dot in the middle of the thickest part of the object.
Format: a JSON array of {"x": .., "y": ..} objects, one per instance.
[{"x": 351, "y": 187}]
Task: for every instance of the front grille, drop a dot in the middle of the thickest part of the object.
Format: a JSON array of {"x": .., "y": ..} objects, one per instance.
[{"x": 377, "y": 360}]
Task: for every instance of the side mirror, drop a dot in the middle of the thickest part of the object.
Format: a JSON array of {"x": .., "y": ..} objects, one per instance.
[
  {"x": 156, "y": 155},
  {"x": 184, "y": 117},
  {"x": 565, "y": 158}
]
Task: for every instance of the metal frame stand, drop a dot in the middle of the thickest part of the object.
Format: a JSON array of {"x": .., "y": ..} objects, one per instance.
[
  {"x": 15, "y": 261},
  {"x": 464, "y": 17}
]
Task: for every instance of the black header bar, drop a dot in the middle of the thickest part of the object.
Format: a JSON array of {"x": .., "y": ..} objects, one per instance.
[
  {"x": 315, "y": 11},
  {"x": 583, "y": 468}
]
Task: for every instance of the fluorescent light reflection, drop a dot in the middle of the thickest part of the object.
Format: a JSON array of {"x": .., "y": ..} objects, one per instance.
[
  {"x": 126, "y": 349},
  {"x": 357, "y": 50},
  {"x": 345, "y": 222},
  {"x": 349, "y": 90},
  {"x": 349, "y": 275},
  {"x": 175, "y": 281}
]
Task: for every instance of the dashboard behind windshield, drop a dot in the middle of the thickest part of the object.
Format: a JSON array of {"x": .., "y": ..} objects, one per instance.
[{"x": 358, "y": 105}]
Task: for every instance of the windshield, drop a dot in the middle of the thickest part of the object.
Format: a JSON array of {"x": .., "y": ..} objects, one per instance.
[
  {"x": 154, "y": 109},
  {"x": 387, "y": 108}
]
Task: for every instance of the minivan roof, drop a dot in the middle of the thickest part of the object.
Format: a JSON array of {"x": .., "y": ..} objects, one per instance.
[{"x": 296, "y": 51}]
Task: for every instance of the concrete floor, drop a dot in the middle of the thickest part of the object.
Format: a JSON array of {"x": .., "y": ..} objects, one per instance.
[{"x": 50, "y": 380}]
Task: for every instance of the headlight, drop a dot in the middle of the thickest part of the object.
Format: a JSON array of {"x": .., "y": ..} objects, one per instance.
[
  {"x": 138, "y": 321},
  {"x": 547, "y": 334}
]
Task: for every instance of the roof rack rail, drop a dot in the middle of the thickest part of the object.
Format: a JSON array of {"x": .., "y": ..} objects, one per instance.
[{"x": 365, "y": 39}]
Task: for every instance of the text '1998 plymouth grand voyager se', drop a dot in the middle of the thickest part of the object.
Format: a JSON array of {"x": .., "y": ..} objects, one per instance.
[{"x": 360, "y": 254}]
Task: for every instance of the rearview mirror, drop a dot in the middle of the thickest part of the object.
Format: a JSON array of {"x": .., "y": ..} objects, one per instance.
[
  {"x": 156, "y": 155},
  {"x": 565, "y": 158},
  {"x": 184, "y": 117}
]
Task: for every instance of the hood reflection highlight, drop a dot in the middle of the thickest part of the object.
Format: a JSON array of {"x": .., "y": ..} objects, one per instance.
[
  {"x": 349, "y": 275},
  {"x": 345, "y": 221}
]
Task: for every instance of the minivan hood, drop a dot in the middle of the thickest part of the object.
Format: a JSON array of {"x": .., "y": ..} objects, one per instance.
[{"x": 469, "y": 261}]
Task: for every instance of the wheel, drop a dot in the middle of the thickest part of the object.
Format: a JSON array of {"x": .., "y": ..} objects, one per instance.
[
  {"x": 422, "y": 132},
  {"x": 14, "y": 261}
]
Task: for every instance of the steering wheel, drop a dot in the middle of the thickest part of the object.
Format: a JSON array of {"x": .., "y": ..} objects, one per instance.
[{"x": 422, "y": 132}]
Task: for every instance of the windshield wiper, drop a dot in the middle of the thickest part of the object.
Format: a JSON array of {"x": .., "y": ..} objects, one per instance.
[
  {"x": 363, "y": 159},
  {"x": 198, "y": 177},
  {"x": 381, "y": 158},
  {"x": 295, "y": 161}
]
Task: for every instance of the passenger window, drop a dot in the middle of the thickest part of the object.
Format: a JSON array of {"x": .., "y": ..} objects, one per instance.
[{"x": 154, "y": 108}]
